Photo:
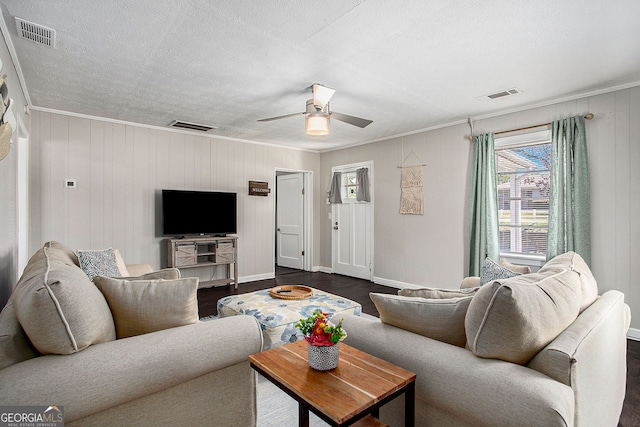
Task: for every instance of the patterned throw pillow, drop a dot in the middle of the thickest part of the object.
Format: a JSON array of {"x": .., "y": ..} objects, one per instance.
[
  {"x": 492, "y": 271},
  {"x": 99, "y": 263}
]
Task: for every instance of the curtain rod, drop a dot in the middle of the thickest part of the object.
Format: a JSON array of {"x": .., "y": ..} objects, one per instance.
[{"x": 587, "y": 116}]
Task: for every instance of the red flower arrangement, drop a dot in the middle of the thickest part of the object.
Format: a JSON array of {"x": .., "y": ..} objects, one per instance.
[{"x": 319, "y": 331}]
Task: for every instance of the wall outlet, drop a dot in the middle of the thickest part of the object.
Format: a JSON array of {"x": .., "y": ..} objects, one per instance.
[{"x": 70, "y": 183}]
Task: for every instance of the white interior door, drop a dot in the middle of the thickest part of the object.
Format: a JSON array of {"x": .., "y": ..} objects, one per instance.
[
  {"x": 289, "y": 220},
  {"x": 352, "y": 230}
]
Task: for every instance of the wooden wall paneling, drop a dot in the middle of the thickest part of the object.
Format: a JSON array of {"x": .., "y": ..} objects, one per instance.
[
  {"x": 386, "y": 193},
  {"x": 205, "y": 165},
  {"x": 451, "y": 205},
  {"x": 177, "y": 159},
  {"x": 46, "y": 180},
  {"x": 601, "y": 141},
  {"x": 163, "y": 181},
  {"x": 119, "y": 181},
  {"x": 223, "y": 167},
  {"x": 633, "y": 295},
  {"x": 129, "y": 163},
  {"x": 259, "y": 211},
  {"x": 189, "y": 162},
  {"x": 141, "y": 198},
  {"x": 213, "y": 163},
  {"x": 79, "y": 152},
  {"x": 108, "y": 188},
  {"x": 97, "y": 181},
  {"x": 236, "y": 177},
  {"x": 622, "y": 188},
  {"x": 250, "y": 205},
  {"x": 163, "y": 160},
  {"x": 197, "y": 163},
  {"x": 35, "y": 183},
  {"x": 437, "y": 205},
  {"x": 269, "y": 220},
  {"x": 153, "y": 221}
]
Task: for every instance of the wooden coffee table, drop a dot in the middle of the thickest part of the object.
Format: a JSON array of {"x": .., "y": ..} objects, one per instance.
[{"x": 352, "y": 392}]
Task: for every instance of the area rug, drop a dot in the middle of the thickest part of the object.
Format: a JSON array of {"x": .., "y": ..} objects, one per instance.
[{"x": 277, "y": 409}]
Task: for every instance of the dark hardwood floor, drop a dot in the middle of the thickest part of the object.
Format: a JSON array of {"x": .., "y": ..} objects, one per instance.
[{"x": 358, "y": 290}]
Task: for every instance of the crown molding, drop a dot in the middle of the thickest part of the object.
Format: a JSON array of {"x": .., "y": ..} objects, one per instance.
[
  {"x": 167, "y": 129},
  {"x": 495, "y": 114}
]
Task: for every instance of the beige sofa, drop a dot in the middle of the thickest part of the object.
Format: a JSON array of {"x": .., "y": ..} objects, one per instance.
[
  {"x": 196, "y": 374},
  {"x": 575, "y": 377}
]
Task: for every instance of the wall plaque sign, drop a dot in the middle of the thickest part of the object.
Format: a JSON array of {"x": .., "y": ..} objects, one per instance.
[{"x": 259, "y": 188}]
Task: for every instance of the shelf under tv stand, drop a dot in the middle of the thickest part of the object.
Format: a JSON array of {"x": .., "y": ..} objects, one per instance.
[{"x": 192, "y": 252}]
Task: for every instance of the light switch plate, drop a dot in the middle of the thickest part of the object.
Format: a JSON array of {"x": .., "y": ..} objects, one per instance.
[{"x": 70, "y": 183}]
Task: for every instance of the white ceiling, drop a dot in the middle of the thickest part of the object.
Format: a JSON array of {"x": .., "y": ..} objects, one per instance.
[{"x": 406, "y": 65}]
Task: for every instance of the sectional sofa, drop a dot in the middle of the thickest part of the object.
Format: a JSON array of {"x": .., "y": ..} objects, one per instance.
[
  {"x": 539, "y": 349},
  {"x": 61, "y": 343}
]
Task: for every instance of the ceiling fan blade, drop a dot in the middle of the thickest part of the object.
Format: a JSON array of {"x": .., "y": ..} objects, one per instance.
[
  {"x": 356, "y": 121},
  {"x": 321, "y": 95},
  {"x": 280, "y": 117}
]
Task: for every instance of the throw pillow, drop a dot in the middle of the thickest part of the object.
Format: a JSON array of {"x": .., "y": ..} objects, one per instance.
[
  {"x": 64, "y": 252},
  {"x": 99, "y": 263},
  {"x": 165, "y": 274},
  {"x": 575, "y": 262},
  {"x": 435, "y": 293},
  {"x": 14, "y": 344},
  {"x": 143, "y": 306},
  {"x": 59, "y": 309},
  {"x": 122, "y": 267},
  {"x": 439, "y": 319},
  {"x": 514, "y": 319},
  {"x": 492, "y": 271},
  {"x": 520, "y": 269}
]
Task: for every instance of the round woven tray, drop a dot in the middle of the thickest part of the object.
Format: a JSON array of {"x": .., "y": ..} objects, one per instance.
[{"x": 291, "y": 292}]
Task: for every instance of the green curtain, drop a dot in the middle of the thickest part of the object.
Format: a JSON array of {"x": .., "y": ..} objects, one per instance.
[
  {"x": 485, "y": 240},
  {"x": 569, "y": 201}
]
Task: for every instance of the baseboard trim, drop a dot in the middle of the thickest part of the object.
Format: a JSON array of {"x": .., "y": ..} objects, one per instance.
[
  {"x": 394, "y": 283},
  {"x": 256, "y": 277},
  {"x": 321, "y": 269},
  {"x": 633, "y": 334}
]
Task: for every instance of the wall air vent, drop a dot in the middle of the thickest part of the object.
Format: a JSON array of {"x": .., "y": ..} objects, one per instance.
[
  {"x": 501, "y": 94},
  {"x": 191, "y": 126},
  {"x": 36, "y": 33}
]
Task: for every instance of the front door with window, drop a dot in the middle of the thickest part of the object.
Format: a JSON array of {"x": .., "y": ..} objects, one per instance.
[{"x": 352, "y": 227}]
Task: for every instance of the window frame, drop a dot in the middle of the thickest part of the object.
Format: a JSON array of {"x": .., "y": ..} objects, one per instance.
[{"x": 517, "y": 141}]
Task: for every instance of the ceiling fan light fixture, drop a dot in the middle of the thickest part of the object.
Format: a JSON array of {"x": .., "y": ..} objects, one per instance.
[
  {"x": 317, "y": 124},
  {"x": 321, "y": 95}
]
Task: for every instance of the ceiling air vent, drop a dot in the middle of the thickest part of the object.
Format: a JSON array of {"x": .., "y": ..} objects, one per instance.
[
  {"x": 36, "y": 33},
  {"x": 501, "y": 94},
  {"x": 191, "y": 126}
]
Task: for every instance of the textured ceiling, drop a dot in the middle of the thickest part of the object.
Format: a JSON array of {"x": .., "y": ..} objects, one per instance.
[{"x": 406, "y": 65}]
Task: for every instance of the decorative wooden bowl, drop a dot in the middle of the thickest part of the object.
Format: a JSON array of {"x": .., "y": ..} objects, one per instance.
[{"x": 291, "y": 292}]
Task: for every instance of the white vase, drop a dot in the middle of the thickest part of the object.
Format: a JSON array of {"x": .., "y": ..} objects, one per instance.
[{"x": 323, "y": 358}]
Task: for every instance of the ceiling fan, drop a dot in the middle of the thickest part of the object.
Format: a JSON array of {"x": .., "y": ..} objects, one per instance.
[{"x": 318, "y": 113}]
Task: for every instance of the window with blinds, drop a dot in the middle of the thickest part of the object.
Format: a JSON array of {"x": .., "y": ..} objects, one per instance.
[{"x": 523, "y": 174}]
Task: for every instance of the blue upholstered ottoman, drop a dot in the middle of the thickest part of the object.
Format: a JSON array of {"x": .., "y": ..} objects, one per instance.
[{"x": 278, "y": 317}]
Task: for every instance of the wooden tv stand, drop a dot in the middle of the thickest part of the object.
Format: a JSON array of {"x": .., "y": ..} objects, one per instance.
[{"x": 191, "y": 252}]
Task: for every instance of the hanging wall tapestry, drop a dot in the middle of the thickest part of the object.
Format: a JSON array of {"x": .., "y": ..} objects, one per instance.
[{"x": 411, "y": 199}]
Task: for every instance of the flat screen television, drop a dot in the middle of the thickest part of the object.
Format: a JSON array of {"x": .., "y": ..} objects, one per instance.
[{"x": 198, "y": 213}]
